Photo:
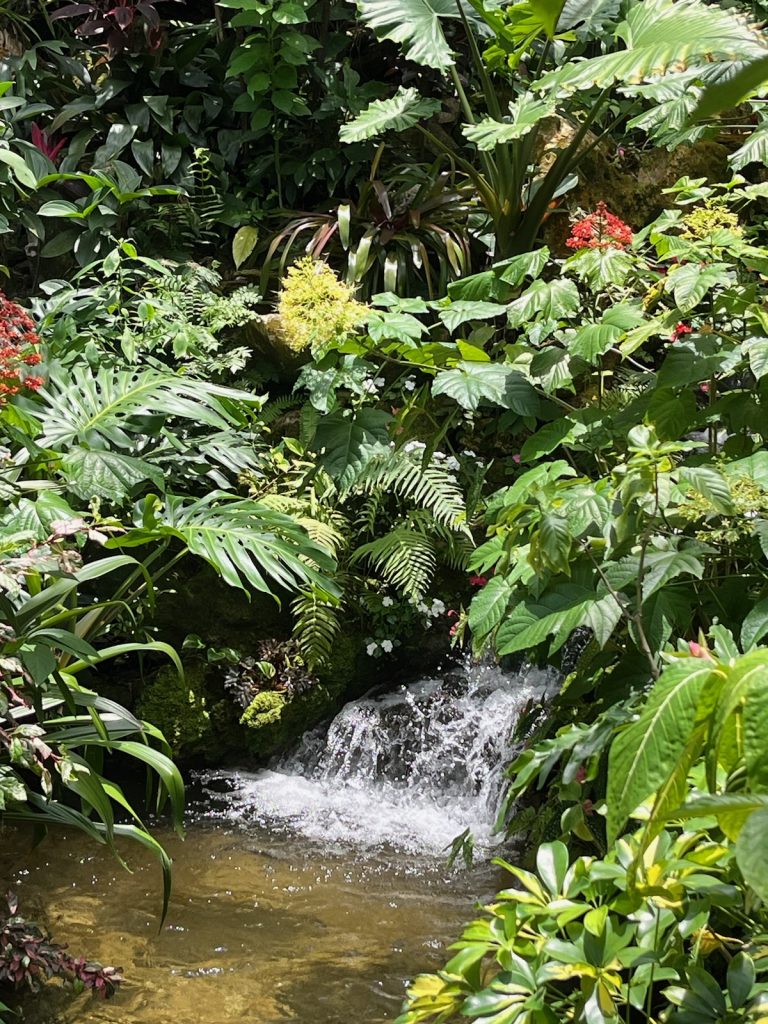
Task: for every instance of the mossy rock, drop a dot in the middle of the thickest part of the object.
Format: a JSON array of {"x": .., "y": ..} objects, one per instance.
[
  {"x": 274, "y": 722},
  {"x": 178, "y": 708}
]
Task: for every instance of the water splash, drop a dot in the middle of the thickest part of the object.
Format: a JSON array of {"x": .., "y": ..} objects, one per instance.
[{"x": 408, "y": 770}]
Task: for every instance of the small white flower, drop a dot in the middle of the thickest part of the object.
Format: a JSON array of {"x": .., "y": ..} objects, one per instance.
[
  {"x": 371, "y": 649},
  {"x": 379, "y": 382},
  {"x": 421, "y": 607},
  {"x": 414, "y": 446},
  {"x": 386, "y": 646},
  {"x": 438, "y": 456},
  {"x": 452, "y": 463},
  {"x": 369, "y": 386},
  {"x": 438, "y": 608},
  {"x": 410, "y": 384},
  {"x": 468, "y": 453},
  {"x": 387, "y": 602}
]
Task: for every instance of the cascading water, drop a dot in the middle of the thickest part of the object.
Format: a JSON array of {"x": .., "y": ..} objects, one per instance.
[{"x": 409, "y": 770}]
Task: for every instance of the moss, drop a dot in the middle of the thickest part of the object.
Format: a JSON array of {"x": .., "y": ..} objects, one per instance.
[
  {"x": 265, "y": 709},
  {"x": 177, "y": 707}
]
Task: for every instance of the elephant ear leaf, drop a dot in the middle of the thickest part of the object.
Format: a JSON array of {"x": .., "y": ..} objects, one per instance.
[
  {"x": 415, "y": 24},
  {"x": 403, "y": 110}
]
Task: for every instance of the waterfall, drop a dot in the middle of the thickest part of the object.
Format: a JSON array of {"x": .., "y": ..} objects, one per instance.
[{"x": 410, "y": 769}]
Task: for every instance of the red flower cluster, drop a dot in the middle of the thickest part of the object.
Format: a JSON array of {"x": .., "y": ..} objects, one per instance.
[
  {"x": 17, "y": 340},
  {"x": 600, "y": 230},
  {"x": 680, "y": 330}
]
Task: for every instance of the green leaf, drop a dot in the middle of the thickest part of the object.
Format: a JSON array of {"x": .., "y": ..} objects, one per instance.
[
  {"x": 243, "y": 244},
  {"x": 458, "y": 313},
  {"x": 18, "y": 167},
  {"x": 345, "y": 443},
  {"x": 524, "y": 114},
  {"x": 755, "y": 625},
  {"x": 551, "y": 300},
  {"x": 750, "y": 852},
  {"x": 469, "y": 384},
  {"x": 660, "y": 36},
  {"x": 415, "y": 24},
  {"x": 528, "y": 264},
  {"x": 692, "y": 282},
  {"x": 663, "y": 566},
  {"x": 711, "y": 484},
  {"x": 550, "y": 437},
  {"x": 488, "y": 606},
  {"x": 553, "y": 543},
  {"x": 107, "y": 474},
  {"x": 757, "y": 352},
  {"x": 557, "y": 614},
  {"x": 741, "y": 970},
  {"x": 552, "y": 865},
  {"x": 733, "y": 90},
  {"x": 647, "y": 752},
  {"x": 405, "y": 109}
]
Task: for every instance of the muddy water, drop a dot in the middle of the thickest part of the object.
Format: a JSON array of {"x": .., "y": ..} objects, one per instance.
[{"x": 261, "y": 929}]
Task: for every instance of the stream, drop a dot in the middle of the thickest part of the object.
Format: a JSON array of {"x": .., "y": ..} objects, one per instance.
[{"x": 310, "y": 891}]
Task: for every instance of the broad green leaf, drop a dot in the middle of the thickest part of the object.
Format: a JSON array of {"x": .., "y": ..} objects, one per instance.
[
  {"x": 405, "y": 109},
  {"x": 552, "y": 544},
  {"x": 711, "y": 484},
  {"x": 645, "y": 754},
  {"x": 524, "y": 114},
  {"x": 415, "y": 24},
  {"x": 528, "y": 264},
  {"x": 661, "y": 36},
  {"x": 243, "y": 244},
  {"x": 663, "y": 566},
  {"x": 471, "y": 383},
  {"x": 733, "y": 90},
  {"x": 458, "y": 313},
  {"x": 550, "y": 437},
  {"x": 346, "y": 443},
  {"x": 488, "y": 606},
  {"x": 689, "y": 283},
  {"x": 18, "y": 167},
  {"x": 750, "y": 852},
  {"x": 106, "y": 474},
  {"x": 552, "y": 300},
  {"x": 556, "y": 615},
  {"x": 755, "y": 625},
  {"x": 552, "y": 865},
  {"x": 757, "y": 352}
]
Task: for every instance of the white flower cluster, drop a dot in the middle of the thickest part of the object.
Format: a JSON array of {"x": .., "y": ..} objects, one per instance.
[
  {"x": 387, "y": 602},
  {"x": 430, "y": 611},
  {"x": 373, "y": 385},
  {"x": 410, "y": 384},
  {"x": 451, "y": 462},
  {"x": 385, "y": 646}
]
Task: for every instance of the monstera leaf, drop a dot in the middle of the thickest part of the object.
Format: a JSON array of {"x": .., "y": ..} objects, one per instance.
[{"x": 248, "y": 544}]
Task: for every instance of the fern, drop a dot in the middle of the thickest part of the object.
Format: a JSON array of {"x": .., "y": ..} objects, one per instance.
[
  {"x": 316, "y": 626},
  {"x": 405, "y": 557},
  {"x": 278, "y": 407},
  {"x": 429, "y": 486}
]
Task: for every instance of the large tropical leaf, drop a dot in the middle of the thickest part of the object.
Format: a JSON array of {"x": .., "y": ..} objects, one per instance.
[
  {"x": 524, "y": 114},
  {"x": 659, "y": 36},
  {"x": 415, "y": 24},
  {"x": 112, "y": 406},
  {"x": 403, "y": 110},
  {"x": 244, "y": 541},
  {"x": 469, "y": 384},
  {"x": 345, "y": 443}
]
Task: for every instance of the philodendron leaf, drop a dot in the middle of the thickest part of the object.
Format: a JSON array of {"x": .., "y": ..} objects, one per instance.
[
  {"x": 416, "y": 25},
  {"x": 402, "y": 111},
  {"x": 644, "y": 755},
  {"x": 551, "y": 299},
  {"x": 524, "y": 114}
]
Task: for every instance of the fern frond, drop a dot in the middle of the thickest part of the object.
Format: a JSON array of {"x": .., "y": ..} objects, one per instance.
[
  {"x": 404, "y": 557},
  {"x": 429, "y": 486},
  {"x": 316, "y": 625},
  {"x": 278, "y": 407}
]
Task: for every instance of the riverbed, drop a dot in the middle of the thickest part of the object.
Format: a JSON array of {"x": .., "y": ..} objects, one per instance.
[{"x": 262, "y": 928}]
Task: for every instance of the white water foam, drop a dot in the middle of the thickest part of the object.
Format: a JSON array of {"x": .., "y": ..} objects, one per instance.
[{"x": 408, "y": 770}]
